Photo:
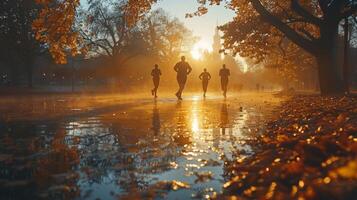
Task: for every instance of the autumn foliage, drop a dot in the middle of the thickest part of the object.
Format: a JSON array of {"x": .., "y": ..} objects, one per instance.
[
  {"x": 309, "y": 152},
  {"x": 259, "y": 27},
  {"x": 54, "y": 27}
]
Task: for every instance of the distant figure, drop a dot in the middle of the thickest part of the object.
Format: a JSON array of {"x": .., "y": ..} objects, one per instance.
[
  {"x": 155, "y": 73},
  {"x": 183, "y": 69},
  {"x": 224, "y": 73},
  {"x": 258, "y": 87},
  {"x": 205, "y": 77}
]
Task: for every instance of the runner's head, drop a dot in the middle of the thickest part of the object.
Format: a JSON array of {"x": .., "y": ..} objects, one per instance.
[
  {"x": 183, "y": 58},
  {"x": 224, "y": 66},
  {"x": 156, "y": 66},
  {"x": 205, "y": 70}
]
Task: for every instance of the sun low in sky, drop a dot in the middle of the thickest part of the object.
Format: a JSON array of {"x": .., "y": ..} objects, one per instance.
[
  {"x": 200, "y": 47},
  {"x": 203, "y": 26}
]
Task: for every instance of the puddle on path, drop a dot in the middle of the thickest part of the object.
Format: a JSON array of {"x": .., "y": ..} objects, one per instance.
[{"x": 163, "y": 149}]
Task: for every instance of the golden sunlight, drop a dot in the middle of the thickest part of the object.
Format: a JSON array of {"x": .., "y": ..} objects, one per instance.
[
  {"x": 195, "y": 125},
  {"x": 244, "y": 64},
  {"x": 199, "y": 48}
]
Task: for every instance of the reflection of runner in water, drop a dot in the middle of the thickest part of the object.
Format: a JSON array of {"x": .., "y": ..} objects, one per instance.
[
  {"x": 155, "y": 73},
  {"x": 224, "y": 118},
  {"x": 156, "y": 120},
  {"x": 205, "y": 77},
  {"x": 183, "y": 69},
  {"x": 224, "y": 73}
]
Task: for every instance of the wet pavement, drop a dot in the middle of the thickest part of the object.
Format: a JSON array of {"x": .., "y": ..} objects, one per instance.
[{"x": 127, "y": 149}]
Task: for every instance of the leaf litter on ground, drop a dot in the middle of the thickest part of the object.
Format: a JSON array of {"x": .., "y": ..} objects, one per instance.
[{"x": 308, "y": 152}]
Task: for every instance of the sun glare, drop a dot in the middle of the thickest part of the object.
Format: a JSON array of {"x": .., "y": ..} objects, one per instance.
[
  {"x": 244, "y": 64},
  {"x": 199, "y": 48}
]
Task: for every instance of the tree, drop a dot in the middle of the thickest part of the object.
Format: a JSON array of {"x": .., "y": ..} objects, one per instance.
[
  {"x": 54, "y": 26},
  {"x": 165, "y": 37},
  {"x": 349, "y": 40},
  {"x": 105, "y": 32},
  {"x": 18, "y": 45},
  {"x": 293, "y": 65},
  {"x": 310, "y": 24}
]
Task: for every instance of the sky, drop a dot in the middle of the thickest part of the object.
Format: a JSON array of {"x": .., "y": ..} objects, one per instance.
[{"x": 202, "y": 26}]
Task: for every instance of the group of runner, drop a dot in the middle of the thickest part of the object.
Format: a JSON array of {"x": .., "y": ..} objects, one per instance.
[{"x": 183, "y": 69}]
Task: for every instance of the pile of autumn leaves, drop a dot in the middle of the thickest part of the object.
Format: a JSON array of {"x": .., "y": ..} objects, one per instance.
[{"x": 309, "y": 152}]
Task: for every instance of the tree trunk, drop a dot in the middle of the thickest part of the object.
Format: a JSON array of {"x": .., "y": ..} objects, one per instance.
[
  {"x": 329, "y": 73},
  {"x": 346, "y": 78},
  {"x": 29, "y": 68},
  {"x": 329, "y": 77},
  {"x": 14, "y": 74}
]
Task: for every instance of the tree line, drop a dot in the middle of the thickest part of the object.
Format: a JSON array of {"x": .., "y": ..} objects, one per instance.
[
  {"x": 312, "y": 26},
  {"x": 279, "y": 33},
  {"x": 95, "y": 30}
]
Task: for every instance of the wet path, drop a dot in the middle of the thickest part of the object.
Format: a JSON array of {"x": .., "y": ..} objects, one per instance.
[{"x": 160, "y": 149}]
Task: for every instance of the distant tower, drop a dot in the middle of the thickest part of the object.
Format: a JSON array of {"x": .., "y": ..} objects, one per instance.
[{"x": 216, "y": 41}]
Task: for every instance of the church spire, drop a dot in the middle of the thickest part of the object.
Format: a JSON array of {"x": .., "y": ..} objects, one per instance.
[
  {"x": 216, "y": 33},
  {"x": 216, "y": 40}
]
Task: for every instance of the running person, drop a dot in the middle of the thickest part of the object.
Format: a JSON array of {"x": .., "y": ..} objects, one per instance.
[
  {"x": 205, "y": 77},
  {"x": 224, "y": 73},
  {"x": 183, "y": 69},
  {"x": 155, "y": 73}
]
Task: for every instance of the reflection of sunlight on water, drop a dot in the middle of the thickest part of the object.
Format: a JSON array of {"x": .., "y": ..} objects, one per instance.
[
  {"x": 239, "y": 123},
  {"x": 196, "y": 120},
  {"x": 195, "y": 98},
  {"x": 134, "y": 148},
  {"x": 214, "y": 134},
  {"x": 195, "y": 124},
  {"x": 202, "y": 136},
  {"x": 191, "y": 145}
]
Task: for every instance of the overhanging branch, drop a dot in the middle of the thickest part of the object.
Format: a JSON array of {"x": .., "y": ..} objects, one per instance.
[
  {"x": 349, "y": 12},
  {"x": 304, "y": 13},
  {"x": 290, "y": 33},
  {"x": 323, "y": 5}
]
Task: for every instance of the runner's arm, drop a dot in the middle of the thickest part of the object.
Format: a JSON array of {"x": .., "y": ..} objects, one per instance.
[
  {"x": 189, "y": 69},
  {"x": 176, "y": 67}
]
